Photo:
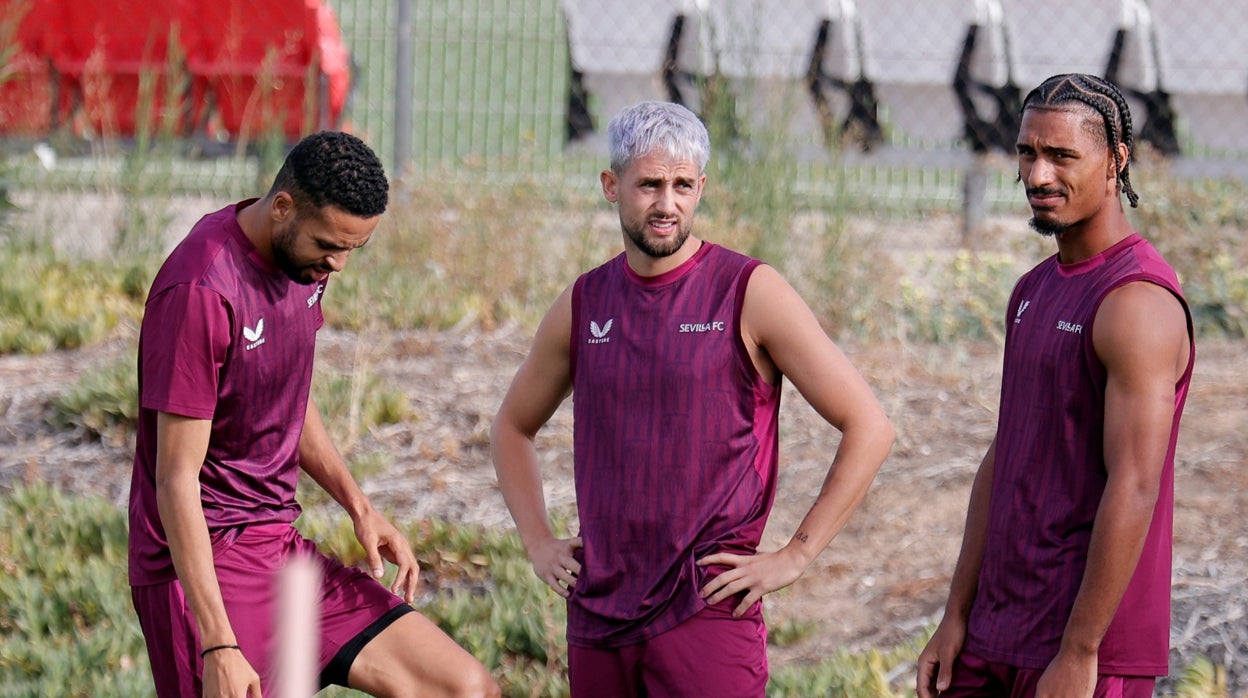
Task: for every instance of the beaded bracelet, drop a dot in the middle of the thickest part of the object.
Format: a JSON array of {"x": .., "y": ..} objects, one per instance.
[{"x": 214, "y": 648}]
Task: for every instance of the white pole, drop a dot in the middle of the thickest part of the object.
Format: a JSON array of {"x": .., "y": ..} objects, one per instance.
[{"x": 298, "y": 629}]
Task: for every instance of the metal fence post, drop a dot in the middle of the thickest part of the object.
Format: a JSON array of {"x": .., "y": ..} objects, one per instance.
[{"x": 403, "y": 89}]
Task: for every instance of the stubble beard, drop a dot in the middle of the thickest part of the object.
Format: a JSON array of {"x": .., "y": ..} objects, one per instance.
[{"x": 283, "y": 257}]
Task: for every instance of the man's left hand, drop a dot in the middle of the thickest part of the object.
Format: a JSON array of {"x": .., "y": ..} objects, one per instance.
[
  {"x": 381, "y": 540},
  {"x": 1068, "y": 676},
  {"x": 756, "y": 575}
]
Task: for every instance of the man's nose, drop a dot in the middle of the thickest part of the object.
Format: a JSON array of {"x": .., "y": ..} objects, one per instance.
[
  {"x": 337, "y": 261},
  {"x": 1040, "y": 173},
  {"x": 666, "y": 199}
]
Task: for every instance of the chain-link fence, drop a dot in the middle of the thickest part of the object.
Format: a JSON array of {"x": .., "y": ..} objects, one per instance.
[
  {"x": 899, "y": 99},
  {"x": 902, "y": 93}
]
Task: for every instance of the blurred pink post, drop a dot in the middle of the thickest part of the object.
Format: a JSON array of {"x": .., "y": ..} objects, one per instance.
[{"x": 298, "y": 632}]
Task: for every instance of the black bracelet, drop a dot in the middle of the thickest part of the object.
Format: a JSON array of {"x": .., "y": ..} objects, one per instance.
[{"x": 214, "y": 648}]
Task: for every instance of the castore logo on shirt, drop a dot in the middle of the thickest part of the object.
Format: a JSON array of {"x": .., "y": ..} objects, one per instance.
[
  {"x": 600, "y": 333},
  {"x": 254, "y": 337}
]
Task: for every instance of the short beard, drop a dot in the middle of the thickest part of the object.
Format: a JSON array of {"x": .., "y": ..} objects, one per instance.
[
  {"x": 1048, "y": 228},
  {"x": 283, "y": 258},
  {"x": 653, "y": 251}
]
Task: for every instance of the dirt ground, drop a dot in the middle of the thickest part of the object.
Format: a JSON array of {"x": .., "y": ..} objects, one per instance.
[{"x": 881, "y": 581}]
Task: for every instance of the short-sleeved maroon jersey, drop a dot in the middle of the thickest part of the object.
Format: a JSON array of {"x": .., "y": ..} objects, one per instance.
[{"x": 229, "y": 338}]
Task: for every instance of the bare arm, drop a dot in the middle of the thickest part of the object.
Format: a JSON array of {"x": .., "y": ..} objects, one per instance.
[
  {"x": 784, "y": 337},
  {"x": 181, "y": 445},
  {"x": 380, "y": 539},
  {"x": 541, "y": 384},
  {"x": 935, "y": 662},
  {"x": 1140, "y": 335}
]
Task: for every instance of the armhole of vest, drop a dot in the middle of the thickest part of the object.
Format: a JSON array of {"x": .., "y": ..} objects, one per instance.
[
  {"x": 738, "y": 305},
  {"x": 573, "y": 345}
]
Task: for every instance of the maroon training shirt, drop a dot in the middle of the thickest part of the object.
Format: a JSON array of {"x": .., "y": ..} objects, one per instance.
[
  {"x": 675, "y": 441},
  {"x": 230, "y": 338}
]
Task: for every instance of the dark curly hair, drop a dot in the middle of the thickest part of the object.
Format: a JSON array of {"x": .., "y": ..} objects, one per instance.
[
  {"x": 337, "y": 169},
  {"x": 1103, "y": 97}
]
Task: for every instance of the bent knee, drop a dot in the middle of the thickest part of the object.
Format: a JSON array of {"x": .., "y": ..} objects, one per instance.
[{"x": 477, "y": 684}]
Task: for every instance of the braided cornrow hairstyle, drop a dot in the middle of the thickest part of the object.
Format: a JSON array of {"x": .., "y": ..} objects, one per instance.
[{"x": 1106, "y": 99}]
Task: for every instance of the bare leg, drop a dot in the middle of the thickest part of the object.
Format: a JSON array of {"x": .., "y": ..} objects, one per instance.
[{"x": 413, "y": 657}]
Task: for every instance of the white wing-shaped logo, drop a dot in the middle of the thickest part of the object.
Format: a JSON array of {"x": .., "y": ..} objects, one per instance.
[
  {"x": 600, "y": 332},
  {"x": 316, "y": 295},
  {"x": 253, "y": 335}
]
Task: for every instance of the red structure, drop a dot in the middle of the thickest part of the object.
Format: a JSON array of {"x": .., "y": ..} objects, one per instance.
[
  {"x": 223, "y": 69},
  {"x": 27, "y": 83}
]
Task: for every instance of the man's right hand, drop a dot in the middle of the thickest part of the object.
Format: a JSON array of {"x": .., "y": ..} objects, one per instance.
[
  {"x": 936, "y": 659},
  {"x": 553, "y": 562},
  {"x": 227, "y": 674}
]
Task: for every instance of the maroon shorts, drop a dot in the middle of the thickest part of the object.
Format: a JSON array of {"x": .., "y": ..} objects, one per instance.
[
  {"x": 354, "y": 608},
  {"x": 974, "y": 676},
  {"x": 711, "y": 654}
]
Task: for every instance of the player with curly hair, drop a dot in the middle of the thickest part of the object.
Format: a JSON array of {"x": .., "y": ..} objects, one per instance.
[{"x": 226, "y": 424}]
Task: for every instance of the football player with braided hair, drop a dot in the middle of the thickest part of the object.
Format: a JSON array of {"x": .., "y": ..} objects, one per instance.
[{"x": 1062, "y": 584}]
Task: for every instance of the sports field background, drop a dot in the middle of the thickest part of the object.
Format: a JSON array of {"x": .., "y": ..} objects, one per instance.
[
  {"x": 489, "y": 82},
  {"x": 496, "y": 215}
]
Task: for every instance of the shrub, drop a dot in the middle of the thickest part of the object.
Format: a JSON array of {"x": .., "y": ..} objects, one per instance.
[
  {"x": 1197, "y": 226},
  {"x": 963, "y": 298},
  {"x": 354, "y": 402},
  {"x": 67, "y": 627},
  {"x": 103, "y": 402},
  {"x": 48, "y": 301}
]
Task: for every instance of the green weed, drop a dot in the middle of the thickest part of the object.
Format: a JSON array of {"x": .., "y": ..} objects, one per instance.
[
  {"x": 103, "y": 402},
  {"x": 450, "y": 256},
  {"x": 848, "y": 675},
  {"x": 1197, "y": 226},
  {"x": 67, "y": 627},
  {"x": 962, "y": 298},
  {"x": 790, "y": 631},
  {"x": 1202, "y": 679},
  {"x": 50, "y": 301},
  {"x": 352, "y": 403}
]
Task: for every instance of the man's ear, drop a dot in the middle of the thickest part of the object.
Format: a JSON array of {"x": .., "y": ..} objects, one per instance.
[
  {"x": 609, "y": 184},
  {"x": 1114, "y": 171},
  {"x": 1124, "y": 156},
  {"x": 283, "y": 207}
]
